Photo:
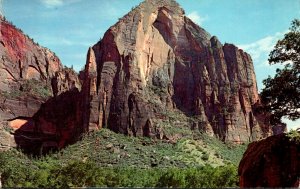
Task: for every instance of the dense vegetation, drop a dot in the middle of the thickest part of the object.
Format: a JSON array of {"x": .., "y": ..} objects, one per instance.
[
  {"x": 281, "y": 94},
  {"x": 31, "y": 87},
  {"x": 104, "y": 158},
  {"x": 47, "y": 172}
]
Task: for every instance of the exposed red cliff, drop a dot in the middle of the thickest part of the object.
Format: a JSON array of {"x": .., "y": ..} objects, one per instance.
[
  {"x": 272, "y": 162},
  {"x": 156, "y": 53},
  {"x": 153, "y": 62},
  {"x": 21, "y": 58},
  {"x": 39, "y": 99}
]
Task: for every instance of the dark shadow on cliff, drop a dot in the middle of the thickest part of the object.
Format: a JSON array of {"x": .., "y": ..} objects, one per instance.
[
  {"x": 59, "y": 122},
  {"x": 272, "y": 162},
  {"x": 185, "y": 76}
]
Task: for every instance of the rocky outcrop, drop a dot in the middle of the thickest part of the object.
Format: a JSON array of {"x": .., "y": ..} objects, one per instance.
[
  {"x": 65, "y": 80},
  {"x": 272, "y": 162},
  {"x": 155, "y": 60},
  {"x": 40, "y": 107},
  {"x": 23, "y": 64},
  {"x": 56, "y": 124},
  {"x": 22, "y": 59}
]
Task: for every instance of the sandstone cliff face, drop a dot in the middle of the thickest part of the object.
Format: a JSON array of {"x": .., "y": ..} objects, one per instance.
[
  {"x": 156, "y": 60},
  {"x": 22, "y": 59},
  {"x": 29, "y": 76},
  {"x": 56, "y": 124},
  {"x": 272, "y": 162}
]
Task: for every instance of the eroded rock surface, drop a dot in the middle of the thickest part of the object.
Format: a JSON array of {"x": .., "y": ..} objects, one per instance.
[
  {"x": 149, "y": 68},
  {"x": 56, "y": 124},
  {"x": 155, "y": 60},
  {"x": 22, "y": 59},
  {"x": 272, "y": 162},
  {"x": 39, "y": 99}
]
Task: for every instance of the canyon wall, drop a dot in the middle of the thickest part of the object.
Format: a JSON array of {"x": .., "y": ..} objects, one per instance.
[
  {"x": 39, "y": 98},
  {"x": 155, "y": 59}
]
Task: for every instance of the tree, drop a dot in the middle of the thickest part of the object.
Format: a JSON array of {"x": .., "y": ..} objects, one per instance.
[{"x": 281, "y": 95}]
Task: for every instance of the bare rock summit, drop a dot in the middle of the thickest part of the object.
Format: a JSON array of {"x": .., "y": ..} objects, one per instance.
[{"x": 156, "y": 61}]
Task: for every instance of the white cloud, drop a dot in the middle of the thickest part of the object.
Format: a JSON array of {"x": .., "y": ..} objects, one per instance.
[
  {"x": 195, "y": 16},
  {"x": 51, "y": 40},
  {"x": 56, "y": 3},
  {"x": 260, "y": 49},
  {"x": 63, "y": 41},
  {"x": 52, "y": 3}
]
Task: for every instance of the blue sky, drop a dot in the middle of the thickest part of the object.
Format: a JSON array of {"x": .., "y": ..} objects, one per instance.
[{"x": 69, "y": 27}]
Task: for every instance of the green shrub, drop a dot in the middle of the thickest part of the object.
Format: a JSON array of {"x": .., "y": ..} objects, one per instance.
[
  {"x": 30, "y": 87},
  {"x": 20, "y": 171},
  {"x": 294, "y": 135},
  {"x": 205, "y": 157},
  {"x": 172, "y": 178},
  {"x": 78, "y": 174},
  {"x": 127, "y": 163},
  {"x": 228, "y": 151},
  {"x": 37, "y": 88}
]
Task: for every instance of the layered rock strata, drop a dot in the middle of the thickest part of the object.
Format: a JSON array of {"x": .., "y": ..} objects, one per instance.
[
  {"x": 156, "y": 52},
  {"x": 40, "y": 107}
]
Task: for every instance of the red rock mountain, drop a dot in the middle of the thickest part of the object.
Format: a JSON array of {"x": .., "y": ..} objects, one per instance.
[
  {"x": 29, "y": 76},
  {"x": 154, "y": 70},
  {"x": 155, "y": 60},
  {"x": 23, "y": 59}
]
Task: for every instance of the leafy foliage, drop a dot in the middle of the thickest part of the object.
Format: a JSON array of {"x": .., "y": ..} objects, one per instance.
[
  {"x": 20, "y": 171},
  {"x": 281, "y": 94},
  {"x": 36, "y": 88},
  {"x": 294, "y": 135},
  {"x": 227, "y": 151},
  {"x": 31, "y": 87},
  {"x": 107, "y": 159}
]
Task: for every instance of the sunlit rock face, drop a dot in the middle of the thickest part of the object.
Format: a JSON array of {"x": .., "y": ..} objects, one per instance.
[
  {"x": 156, "y": 52},
  {"x": 40, "y": 103},
  {"x": 21, "y": 58}
]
